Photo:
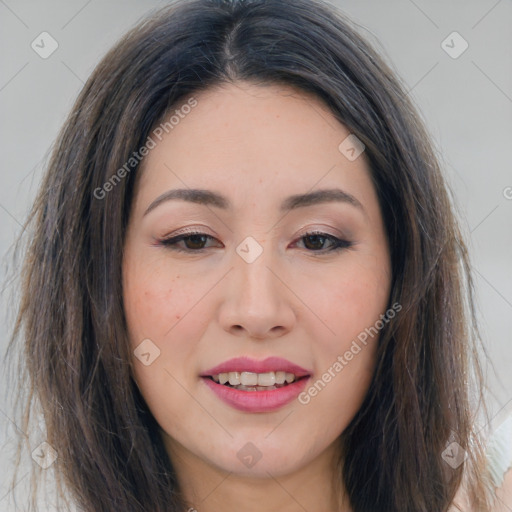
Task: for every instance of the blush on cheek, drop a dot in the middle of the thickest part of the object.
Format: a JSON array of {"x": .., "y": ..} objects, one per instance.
[{"x": 145, "y": 308}]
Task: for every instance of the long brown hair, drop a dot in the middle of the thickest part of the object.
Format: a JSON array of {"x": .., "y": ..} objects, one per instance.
[{"x": 71, "y": 327}]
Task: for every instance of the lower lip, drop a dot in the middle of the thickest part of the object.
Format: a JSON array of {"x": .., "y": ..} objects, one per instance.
[{"x": 257, "y": 401}]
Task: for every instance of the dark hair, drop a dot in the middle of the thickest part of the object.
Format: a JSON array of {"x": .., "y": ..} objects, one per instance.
[{"x": 71, "y": 318}]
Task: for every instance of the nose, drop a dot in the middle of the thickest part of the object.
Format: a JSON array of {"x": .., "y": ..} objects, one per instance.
[{"x": 258, "y": 301}]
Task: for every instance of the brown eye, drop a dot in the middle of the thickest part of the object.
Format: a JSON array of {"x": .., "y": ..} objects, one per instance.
[
  {"x": 194, "y": 242},
  {"x": 316, "y": 240}
]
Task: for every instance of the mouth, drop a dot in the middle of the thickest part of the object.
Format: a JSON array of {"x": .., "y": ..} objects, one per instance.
[
  {"x": 251, "y": 381},
  {"x": 255, "y": 398},
  {"x": 255, "y": 386}
]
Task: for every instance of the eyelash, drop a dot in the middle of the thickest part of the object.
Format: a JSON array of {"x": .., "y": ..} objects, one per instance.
[{"x": 171, "y": 243}]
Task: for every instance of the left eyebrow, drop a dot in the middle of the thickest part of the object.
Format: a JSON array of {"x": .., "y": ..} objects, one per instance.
[
  {"x": 210, "y": 198},
  {"x": 320, "y": 196}
]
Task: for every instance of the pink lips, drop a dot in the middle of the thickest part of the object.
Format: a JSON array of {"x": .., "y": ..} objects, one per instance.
[
  {"x": 257, "y": 401},
  {"x": 245, "y": 364}
]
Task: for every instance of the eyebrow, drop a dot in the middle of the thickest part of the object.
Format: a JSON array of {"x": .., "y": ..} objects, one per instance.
[{"x": 210, "y": 198}]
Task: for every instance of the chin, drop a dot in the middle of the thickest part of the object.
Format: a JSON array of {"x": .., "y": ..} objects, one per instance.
[{"x": 259, "y": 458}]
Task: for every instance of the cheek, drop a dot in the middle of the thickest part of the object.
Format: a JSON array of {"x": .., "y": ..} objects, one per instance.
[
  {"x": 334, "y": 398},
  {"x": 351, "y": 301},
  {"x": 156, "y": 312},
  {"x": 155, "y": 306},
  {"x": 345, "y": 356},
  {"x": 154, "y": 302},
  {"x": 345, "y": 361}
]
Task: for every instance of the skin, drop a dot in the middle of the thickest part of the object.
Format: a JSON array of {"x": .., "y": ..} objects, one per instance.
[
  {"x": 504, "y": 494},
  {"x": 256, "y": 145}
]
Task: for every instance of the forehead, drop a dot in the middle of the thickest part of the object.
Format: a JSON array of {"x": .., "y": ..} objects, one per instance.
[{"x": 247, "y": 138}]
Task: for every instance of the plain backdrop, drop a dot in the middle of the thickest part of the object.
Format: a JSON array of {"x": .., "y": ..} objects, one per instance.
[{"x": 465, "y": 98}]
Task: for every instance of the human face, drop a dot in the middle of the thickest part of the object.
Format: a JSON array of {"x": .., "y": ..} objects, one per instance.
[{"x": 221, "y": 298}]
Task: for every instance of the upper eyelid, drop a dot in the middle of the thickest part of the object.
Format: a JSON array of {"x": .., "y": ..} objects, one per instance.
[
  {"x": 201, "y": 233},
  {"x": 308, "y": 230},
  {"x": 337, "y": 241}
]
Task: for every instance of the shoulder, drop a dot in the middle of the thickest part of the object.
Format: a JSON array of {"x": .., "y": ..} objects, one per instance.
[
  {"x": 504, "y": 494},
  {"x": 499, "y": 451},
  {"x": 499, "y": 455},
  {"x": 502, "y": 497},
  {"x": 499, "y": 463}
]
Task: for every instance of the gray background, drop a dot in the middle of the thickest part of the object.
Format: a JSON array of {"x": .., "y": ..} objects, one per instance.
[{"x": 466, "y": 102}]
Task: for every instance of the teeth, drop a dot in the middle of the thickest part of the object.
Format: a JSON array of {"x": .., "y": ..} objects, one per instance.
[
  {"x": 250, "y": 381},
  {"x": 254, "y": 388},
  {"x": 266, "y": 379},
  {"x": 280, "y": 377},
  {"x": 234, "y": 378}
]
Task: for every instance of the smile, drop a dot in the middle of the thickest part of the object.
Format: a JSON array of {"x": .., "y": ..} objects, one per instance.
[{"x": 250, "y": 381}]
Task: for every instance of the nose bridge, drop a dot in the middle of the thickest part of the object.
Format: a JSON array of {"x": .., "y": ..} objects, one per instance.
[
  {"x": 255, "y": 283},
  {"x": 256, "y": 299}
]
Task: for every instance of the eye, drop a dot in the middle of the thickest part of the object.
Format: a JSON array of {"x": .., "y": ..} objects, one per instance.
[
  {"x": 316, "y": 239},
  {"x": 195, "y": 242}
]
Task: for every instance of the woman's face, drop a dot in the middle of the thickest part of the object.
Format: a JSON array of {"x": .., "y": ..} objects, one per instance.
[{"x": 254, "y": 284}]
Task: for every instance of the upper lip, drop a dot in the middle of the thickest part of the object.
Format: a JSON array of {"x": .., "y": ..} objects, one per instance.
[{"x": 246, "y": 364}]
